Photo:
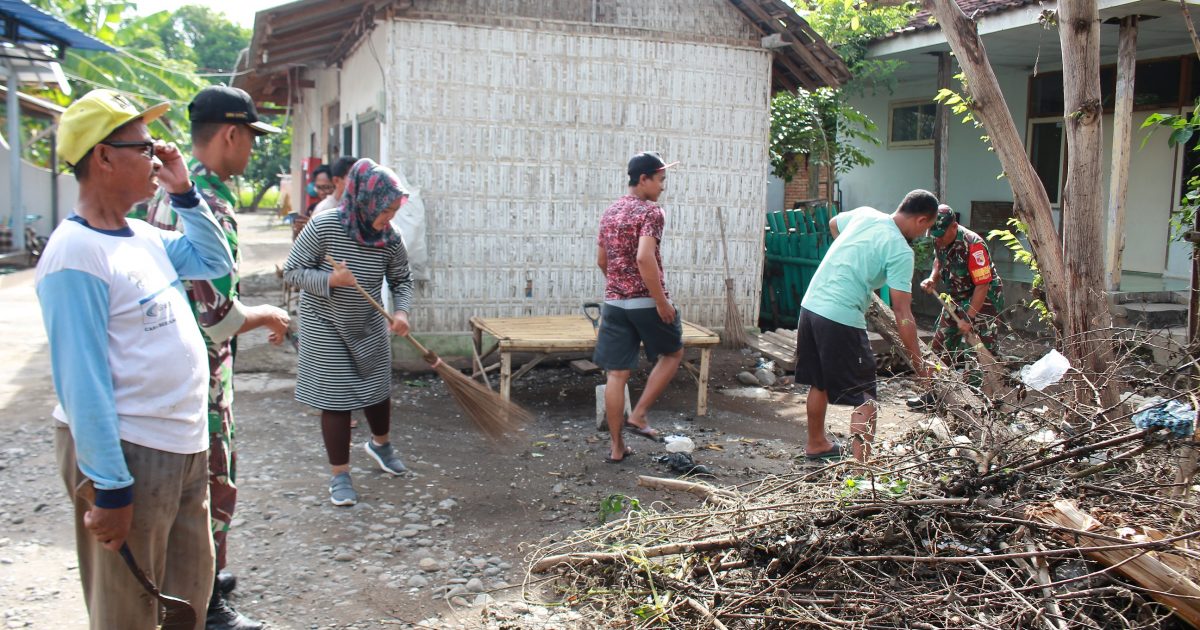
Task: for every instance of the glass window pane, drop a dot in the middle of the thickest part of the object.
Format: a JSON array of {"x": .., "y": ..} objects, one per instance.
[{"x": 1045, "y": 151}]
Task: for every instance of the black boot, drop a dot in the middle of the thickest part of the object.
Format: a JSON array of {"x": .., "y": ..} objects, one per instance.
[
  {"x": 226, "y": 582},
  {"x": 222, "y": 616}
]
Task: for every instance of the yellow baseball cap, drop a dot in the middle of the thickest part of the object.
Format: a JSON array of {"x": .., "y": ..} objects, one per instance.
[{"x": 92, "y": 118}]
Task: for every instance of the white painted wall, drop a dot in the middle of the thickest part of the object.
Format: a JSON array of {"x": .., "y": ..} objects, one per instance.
[
  {"x": 1150, "y": 199},
  {"x": 306, "y": 119},
  {"x": 36, "y": 192},
  {"x": 363, "y": 85},
  {"x": 972, "y": 171}
]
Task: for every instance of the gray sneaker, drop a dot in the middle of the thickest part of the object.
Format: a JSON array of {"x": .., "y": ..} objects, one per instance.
[
  {"x": 341, "y": 490},
  {"x": 386, "y": 457}
]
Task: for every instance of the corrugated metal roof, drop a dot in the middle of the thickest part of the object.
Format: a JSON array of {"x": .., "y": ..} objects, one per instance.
[{"x": 25, "y": 23}]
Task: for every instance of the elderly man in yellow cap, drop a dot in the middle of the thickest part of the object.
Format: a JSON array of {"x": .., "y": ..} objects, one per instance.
[{"x": 129, "y": 363}]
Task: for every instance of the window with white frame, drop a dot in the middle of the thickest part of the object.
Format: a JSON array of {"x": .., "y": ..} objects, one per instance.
[{"x": 911, "y": 123}]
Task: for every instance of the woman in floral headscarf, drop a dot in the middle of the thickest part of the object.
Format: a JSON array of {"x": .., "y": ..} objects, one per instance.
[{"x": 345, "y": 353}]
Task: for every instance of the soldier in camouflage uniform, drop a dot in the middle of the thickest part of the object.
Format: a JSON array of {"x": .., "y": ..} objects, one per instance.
[
  {"x": 963, "y": 269},
  {"x": 224, "y": 127}
]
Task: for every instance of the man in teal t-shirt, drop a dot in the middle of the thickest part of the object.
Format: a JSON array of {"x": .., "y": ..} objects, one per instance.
[{"x": 833, "y": 355}]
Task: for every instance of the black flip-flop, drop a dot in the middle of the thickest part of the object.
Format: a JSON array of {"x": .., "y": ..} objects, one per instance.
[
  {"x": 646, "y": 432},
  {"x": 834, "y": 453},
  {"x": 627, "y": 455}
]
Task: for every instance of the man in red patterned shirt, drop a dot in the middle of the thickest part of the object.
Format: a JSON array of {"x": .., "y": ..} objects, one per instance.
[{"x": 637, "y": 308}]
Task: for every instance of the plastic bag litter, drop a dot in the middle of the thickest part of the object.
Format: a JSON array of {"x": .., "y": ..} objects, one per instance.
[
  {"x": 1046, "y": 371},
  {"x": 1159, "y": 413},
  {"x": 680, "y": 444}
]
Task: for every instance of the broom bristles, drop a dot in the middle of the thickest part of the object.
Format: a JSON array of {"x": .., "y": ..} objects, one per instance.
[
  {"x": 496, "y": 417},
  {"x": 734, "y": 335}
]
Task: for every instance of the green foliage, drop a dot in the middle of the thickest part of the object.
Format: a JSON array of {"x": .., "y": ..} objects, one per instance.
[
  {"x": 140, "y": 67},
  {"x": 923, "y": 252},
  {"x": 1183, "y": 128},
  {"x": 206, "y": 38},
  {"x": 156, "y": 60},
  {"x": 272, "y": 156},
  {"x": 895, "y": 487},
  {"x": 617, "y": 504},
  {"x": 1012, "y": 240},
  {"x": 849, "y": 26},
  {"x": 270, "y": 199},
  {"x": 821, "y": 125}
]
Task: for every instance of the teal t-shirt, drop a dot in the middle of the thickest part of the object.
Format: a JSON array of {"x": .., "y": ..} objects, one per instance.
[{"x": 868, "y": 252}]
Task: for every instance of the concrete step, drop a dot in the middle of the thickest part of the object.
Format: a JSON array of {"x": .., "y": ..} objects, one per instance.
[{"x": 1155, "y": 315}]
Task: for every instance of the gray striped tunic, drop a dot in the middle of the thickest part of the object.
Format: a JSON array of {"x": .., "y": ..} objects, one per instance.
[{"x": 345, "y": 351}]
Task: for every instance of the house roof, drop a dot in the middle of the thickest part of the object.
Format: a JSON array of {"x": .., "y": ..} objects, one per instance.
[
  {"x": 923, "y": 20},
  {"x": 307, "y": 32},
  {"x": 26, "y": 24}
]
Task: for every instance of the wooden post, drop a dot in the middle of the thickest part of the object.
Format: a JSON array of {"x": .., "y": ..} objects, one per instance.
[
  {"x": 1122, "y": 131},
  {"x": 505, "y": 375},
  {"x": 941, "y": 131},
  {"x": 702, "y": 383}
]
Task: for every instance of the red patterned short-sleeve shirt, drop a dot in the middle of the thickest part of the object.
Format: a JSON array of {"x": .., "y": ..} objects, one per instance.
[{"x": 623, "y": 223}]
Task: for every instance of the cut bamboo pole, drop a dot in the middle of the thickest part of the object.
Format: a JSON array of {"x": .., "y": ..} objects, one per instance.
[{"x": 1155, "y": 571}]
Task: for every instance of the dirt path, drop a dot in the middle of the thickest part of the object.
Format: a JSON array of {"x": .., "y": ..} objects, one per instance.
[{"x": 415, "y": 548}]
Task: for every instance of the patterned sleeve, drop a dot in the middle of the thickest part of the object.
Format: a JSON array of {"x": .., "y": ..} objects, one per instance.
[
  {"x": 306, "y": 268},
  {"x": 399, "y": 279},
  {"x": 653, "y": 225},
  {"x": 215, "y": 302}
]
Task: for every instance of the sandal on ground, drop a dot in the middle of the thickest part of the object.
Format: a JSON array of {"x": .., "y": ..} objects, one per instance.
[
  {"x": 646, "y": 432},
  {"x": 610, "y": 460},
  {"x": 832, "y": 454}
]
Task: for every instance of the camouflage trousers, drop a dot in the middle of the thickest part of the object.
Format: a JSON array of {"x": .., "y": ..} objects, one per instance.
[
  {"x": 949, "y": 343},
  {"x": 222, "y": 457}
]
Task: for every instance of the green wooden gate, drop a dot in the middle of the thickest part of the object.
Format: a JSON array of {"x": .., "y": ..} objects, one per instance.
[{"x": 796, "y": 241}]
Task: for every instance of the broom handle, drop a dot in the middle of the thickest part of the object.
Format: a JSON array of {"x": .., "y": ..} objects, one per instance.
[
  {"x": 724, "y": 245},
  {"x": 388, "y": 316}
]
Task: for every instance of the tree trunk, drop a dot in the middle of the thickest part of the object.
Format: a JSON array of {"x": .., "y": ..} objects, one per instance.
[
  {"x": 1087, "y": 318},
  {"x": 1032, "y": 205},
  {"x": 258, "y": 196},
  {"x": 1075, "y": 295}
]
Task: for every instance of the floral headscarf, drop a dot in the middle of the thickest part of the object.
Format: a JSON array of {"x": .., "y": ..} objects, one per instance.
[{"x": 370, "y": 189}]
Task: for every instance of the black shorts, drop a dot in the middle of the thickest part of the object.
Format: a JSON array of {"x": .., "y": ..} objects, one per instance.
[
  {"x": 623, "y": 330},
  {"x": 836, "y": 358}
]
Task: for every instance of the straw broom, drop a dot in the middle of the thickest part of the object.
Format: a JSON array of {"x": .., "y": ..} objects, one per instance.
[
  {"x": 496, "y": 417},
  {"x": 734, "y": 335}
]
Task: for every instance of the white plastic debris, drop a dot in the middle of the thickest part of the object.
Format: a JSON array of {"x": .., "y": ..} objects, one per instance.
[
  {"x": 1046, "y": 371},
  {"x": 680, "y": 444}
]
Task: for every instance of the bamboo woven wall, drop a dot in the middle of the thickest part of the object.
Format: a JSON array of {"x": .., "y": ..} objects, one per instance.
[
  {"x": 519, "y": 140},
  {"x": 714, "y": 18}
]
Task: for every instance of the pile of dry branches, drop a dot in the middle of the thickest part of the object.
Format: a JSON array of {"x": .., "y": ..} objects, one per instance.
[{"x": 1029, "y": 511}]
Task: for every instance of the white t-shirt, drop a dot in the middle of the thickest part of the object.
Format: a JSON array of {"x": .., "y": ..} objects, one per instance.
[{"x": 156, "y": 354}]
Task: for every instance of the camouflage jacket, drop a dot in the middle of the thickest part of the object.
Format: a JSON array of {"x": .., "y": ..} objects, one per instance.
[{"x": 966, "y": 263}]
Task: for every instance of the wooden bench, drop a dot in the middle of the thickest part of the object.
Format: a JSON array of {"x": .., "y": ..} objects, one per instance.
[{"x": 556, "y": 334}]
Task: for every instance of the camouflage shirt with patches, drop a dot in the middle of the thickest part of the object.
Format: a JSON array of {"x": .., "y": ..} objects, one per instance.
[{"x": 966, "y": 263}]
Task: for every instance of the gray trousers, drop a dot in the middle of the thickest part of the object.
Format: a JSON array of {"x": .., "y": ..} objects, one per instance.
[{"x": 170, "y": 538}]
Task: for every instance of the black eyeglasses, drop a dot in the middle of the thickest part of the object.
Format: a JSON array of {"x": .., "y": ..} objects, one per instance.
[{"x": 147, "y": 146}]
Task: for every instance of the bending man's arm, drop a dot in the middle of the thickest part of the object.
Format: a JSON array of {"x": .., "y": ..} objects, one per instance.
[{"x": 906, "y": 325}]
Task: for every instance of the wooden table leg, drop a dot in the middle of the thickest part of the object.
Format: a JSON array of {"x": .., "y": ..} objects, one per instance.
[
  {"x": 506, "y": 375},
  {"x": 702, "y": 383}
]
